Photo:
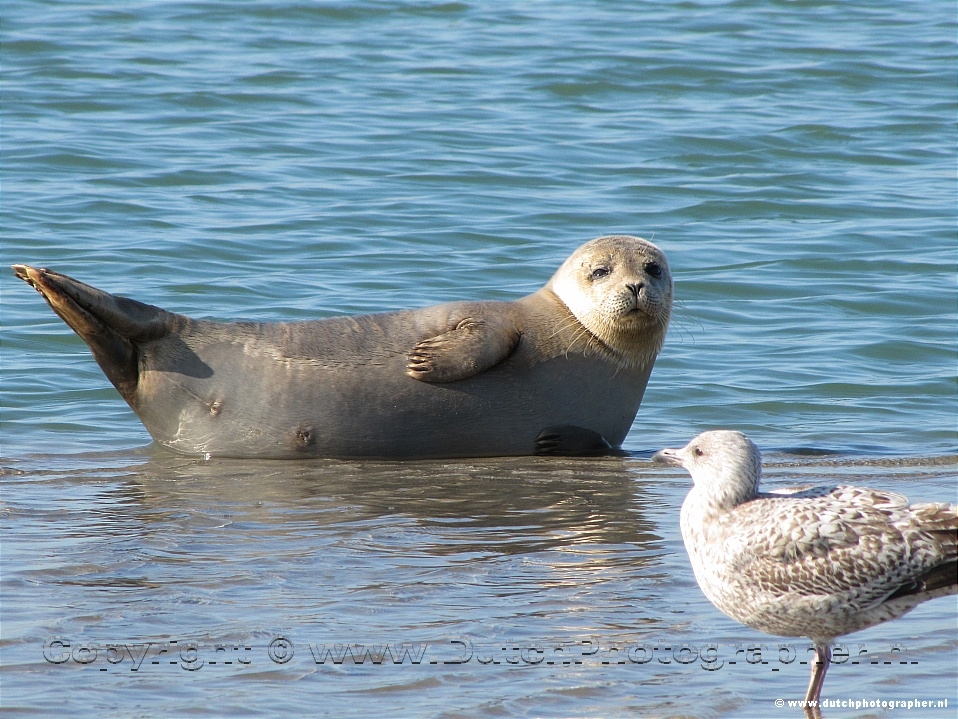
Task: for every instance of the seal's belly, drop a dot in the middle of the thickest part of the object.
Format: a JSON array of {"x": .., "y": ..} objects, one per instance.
[{"x": 254, "y": 405}]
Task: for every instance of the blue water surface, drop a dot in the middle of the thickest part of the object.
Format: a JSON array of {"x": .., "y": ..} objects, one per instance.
[{"x": 291, "y": 160}]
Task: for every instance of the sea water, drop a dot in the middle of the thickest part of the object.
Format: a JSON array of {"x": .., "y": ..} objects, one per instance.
[{"x": 293, "y": 160}]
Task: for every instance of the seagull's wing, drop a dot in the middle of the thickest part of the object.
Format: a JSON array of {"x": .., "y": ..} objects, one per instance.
[{"x": 861, "y": 544}]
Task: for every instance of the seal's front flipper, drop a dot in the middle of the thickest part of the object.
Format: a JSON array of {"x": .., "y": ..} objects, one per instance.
[
  {"x": 569, "y": 441},
  {"x": 473, "y": 346},
  {"x": 109, "y": 325}
]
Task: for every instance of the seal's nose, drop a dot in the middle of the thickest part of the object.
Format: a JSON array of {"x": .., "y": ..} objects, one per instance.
[{"x": 636, "y": 287}]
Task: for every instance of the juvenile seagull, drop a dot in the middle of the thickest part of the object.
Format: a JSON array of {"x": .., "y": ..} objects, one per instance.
[{"x": 816, "y": 563}]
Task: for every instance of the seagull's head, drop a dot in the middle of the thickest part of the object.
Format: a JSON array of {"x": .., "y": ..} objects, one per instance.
[{"x": 725, "y": 465}]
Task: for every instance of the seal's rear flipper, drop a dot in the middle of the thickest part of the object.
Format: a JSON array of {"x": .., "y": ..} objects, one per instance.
[
  {"x": 569, "y": 440},
  {"x": 110, "y": 325}
]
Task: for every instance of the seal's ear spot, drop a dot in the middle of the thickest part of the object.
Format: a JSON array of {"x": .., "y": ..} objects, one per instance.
[{"x": 473, "y": 346}]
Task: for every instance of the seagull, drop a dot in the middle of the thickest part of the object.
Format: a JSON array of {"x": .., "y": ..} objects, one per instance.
[{"x": 816, "y": 562}]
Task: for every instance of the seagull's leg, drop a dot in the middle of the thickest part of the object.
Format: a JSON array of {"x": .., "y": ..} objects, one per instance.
[{"x": 823, "y": 655}]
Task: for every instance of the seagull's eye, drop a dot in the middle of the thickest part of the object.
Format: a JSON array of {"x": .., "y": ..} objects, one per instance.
[
  {"x": 599, "y": 272},
  {"x": 699, "y": 452}
]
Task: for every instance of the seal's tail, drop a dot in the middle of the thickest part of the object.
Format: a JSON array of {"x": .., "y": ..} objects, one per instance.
[{"x": 112, "y": 326}]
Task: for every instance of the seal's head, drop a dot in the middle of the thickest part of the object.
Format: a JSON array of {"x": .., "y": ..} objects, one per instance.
[{"x": 619, "y": 288}]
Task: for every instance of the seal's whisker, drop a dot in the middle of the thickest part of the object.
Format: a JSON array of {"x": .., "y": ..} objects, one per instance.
[{"x": 681, "y": 321}]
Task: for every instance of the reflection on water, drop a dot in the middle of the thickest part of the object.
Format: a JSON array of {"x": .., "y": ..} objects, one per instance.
[
  {"x": 167, "y": 509},
  {"x": 541, "y": 574}
]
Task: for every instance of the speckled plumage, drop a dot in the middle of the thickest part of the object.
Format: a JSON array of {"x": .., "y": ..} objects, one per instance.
[{"x": 814, "y": 562}]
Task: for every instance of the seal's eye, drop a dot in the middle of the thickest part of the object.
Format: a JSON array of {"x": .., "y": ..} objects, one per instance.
[
  {"x": 599, "y": 272},
  {"x": 653, "y": 269}
]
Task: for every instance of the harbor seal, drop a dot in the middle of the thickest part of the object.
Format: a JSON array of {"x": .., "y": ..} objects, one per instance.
[{"x": 560, "y": 371}]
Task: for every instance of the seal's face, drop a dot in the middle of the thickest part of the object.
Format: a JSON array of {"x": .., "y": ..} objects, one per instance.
[{"x": 620, "y": 289}]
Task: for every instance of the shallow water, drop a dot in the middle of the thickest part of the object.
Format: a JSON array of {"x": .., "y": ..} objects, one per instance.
[
  {"x": 275, "y": 160},
  {"x": 521, "y": 587}
]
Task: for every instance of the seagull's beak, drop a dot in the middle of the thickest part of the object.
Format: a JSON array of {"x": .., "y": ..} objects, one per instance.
[{"x": 670, "y": 457}]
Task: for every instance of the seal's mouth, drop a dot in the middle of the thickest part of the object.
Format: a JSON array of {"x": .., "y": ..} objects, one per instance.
[
  {"x": 647, "y": 312},
  {"x": 636, "y": 314}
]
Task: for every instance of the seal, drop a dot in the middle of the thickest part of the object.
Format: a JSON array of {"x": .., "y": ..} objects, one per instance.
[{"x": 561, "y": 371}]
